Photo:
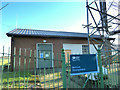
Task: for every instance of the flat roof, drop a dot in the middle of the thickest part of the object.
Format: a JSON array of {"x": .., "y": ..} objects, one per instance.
[{"x": 47, "y": 33}]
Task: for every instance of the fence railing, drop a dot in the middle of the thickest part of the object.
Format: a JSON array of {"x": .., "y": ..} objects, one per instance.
[{"x": 21, "y": 70}]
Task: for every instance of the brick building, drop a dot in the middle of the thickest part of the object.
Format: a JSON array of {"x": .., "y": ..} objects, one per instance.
[{"x": 46, "y": 43}]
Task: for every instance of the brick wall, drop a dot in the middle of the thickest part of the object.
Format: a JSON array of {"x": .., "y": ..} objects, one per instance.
[{"x": 30, "y": 43}]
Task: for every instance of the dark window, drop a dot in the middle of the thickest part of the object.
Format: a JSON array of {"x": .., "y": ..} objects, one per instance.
[{"x": 84, "y": 49}]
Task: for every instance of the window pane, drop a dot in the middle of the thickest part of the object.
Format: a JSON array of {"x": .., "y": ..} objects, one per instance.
[{"x": 84, "y": 49}]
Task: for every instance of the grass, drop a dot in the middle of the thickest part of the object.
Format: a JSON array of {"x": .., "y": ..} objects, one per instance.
[
  {"x": 31, "y": 80},
  {"x": 30, "y": 77},
  {"x": 5, "y": 61}
]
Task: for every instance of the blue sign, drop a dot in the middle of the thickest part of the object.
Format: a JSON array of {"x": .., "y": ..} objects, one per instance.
[
  {"x": 41, "y": 55},
  {"x": 84, "y": 64}
]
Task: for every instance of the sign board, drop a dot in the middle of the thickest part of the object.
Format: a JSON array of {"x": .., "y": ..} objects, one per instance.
[
  {"x": 83, "y": 64},
  {"x": 41, "y": 55}
]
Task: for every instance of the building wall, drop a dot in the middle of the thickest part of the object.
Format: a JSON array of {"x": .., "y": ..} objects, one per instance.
[{"x": 30, "y": 43}]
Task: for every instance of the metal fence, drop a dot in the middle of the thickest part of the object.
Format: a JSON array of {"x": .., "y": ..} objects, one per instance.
[{"x": 21, "y": 71}]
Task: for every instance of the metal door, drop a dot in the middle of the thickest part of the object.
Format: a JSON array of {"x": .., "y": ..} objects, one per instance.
[
  {"x": 44, "y": 55},
  {"x": 67, "y": 54}
]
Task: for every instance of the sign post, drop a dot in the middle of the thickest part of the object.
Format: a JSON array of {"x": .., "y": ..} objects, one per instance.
[{"x": 84, "y": 64}]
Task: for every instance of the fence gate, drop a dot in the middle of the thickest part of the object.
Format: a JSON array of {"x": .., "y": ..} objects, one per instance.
[{"x": 25, "y": 74}]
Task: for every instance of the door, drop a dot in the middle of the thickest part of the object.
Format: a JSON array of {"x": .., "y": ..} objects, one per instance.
[
  {"x": 44, "y": 55},
  {"x": 67, "y": 54}
]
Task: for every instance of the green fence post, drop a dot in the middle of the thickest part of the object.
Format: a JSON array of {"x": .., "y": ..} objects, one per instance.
[
  {"x": 100, "y": 69},
  {"x": 116, "y": 69},
  {"x": 118, "y": 66},
  {"x": 19, "y": 64},
  {"x": 58, "y": 69},
  {"x": 44, "y": 70},
  {"x": 8, "y": 69},
  {"x": 68, "y": 70},
  {"x": 2, "y": 69},
  {"x": 49, "y": 77},
  {"x": 117, "y": 57},
  {"x": 24, "y": 66},
  {"x": 28, "y": 67},
  {"x": 14, "y": 66},
  {"x": 53, "y": 72},
  {"x": 63, "y": 68},
  {"x": 39, "y": 65},
  {"x": 35, "y": 67}
]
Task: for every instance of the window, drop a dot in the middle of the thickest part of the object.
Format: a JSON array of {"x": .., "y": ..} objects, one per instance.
[{"x": 84, "y": 49}]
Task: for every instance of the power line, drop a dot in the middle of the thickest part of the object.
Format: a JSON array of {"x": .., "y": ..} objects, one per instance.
[{"x": 4, "y": 6}]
